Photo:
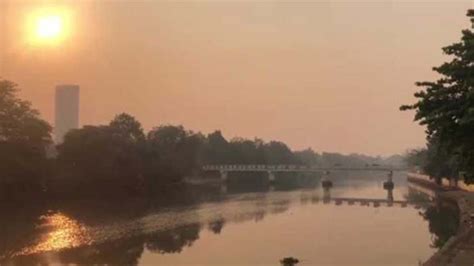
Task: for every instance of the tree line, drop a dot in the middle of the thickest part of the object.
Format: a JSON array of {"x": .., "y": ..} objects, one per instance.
[
  {"x": 446, "y": 108},
  {"x": 120, "y": 158}
]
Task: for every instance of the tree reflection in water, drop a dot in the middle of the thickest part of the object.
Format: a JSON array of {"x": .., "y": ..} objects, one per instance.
[
  {"x": 216, "y": 226},
  {"x": 29, "y": 229},
  {"x": 443, "y": 222},
  {"x": 122, "y": 252},
  {"x": 118, "y": 252},
  {"x": 442, "y": 217},
  {"x": 173, "y": 241},
  {"x": 143, "y": 219}
]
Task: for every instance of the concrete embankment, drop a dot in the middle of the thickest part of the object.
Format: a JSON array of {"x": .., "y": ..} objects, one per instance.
[{"x": 459, "y": 250}]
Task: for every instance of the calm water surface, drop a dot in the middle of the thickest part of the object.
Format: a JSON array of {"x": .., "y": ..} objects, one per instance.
[{"x": 215, "y": 226}]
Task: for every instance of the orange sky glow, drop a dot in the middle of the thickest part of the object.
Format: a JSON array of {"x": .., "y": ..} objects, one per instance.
[{"x": 324, "y": 74}]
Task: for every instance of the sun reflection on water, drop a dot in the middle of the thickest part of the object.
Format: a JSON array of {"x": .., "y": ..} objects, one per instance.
[{"x": 61, "y": 232}]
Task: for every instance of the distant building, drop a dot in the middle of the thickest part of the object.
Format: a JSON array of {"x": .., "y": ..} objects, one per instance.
[{"x": 67, "y": 110}]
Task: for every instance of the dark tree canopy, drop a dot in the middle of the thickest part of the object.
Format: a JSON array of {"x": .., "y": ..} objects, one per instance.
[
  {"x": 128, "y": 127},
  {"x": 308, "y": 157},
  {"x": 19, "y": 122},
  {"x": 277, "y": 152},
  {"x": 24, "y": 140},
  {"x": 118, "y": 159},
  {"x": 107, "y": 159},
  {"x": 446, "y": 106},
  {"x": 172, "y": 153}
]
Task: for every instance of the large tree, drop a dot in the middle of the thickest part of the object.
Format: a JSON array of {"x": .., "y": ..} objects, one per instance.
[
  {"x": 446, "y": 106},
  {"x": 172, "y": 153},
  {"x": 277, "y": 152},
  {"x": 216, "y": 150},
  {"x": 104, "y": 159},
  {"x": 24, "y": 140},
  {"x": 126, "y": 126}
]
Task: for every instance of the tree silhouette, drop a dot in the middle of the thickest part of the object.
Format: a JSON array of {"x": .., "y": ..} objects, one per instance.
[
  {"x": 128, "y": 127},
  {"x": 446, "y": 106},
  {"x": 24, "y": 140},
  {"x": 103, "y": 159}
]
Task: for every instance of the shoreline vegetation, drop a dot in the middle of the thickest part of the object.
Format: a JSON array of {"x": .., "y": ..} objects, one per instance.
[
  {"x": 446, "y": 108},
  {"x": 120, "y": 159}
]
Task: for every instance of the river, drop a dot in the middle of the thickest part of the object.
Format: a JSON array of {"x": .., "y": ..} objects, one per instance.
[{"x": 209, "y": 225}]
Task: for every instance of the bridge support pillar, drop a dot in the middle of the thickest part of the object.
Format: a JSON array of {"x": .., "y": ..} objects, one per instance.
[
  {"x": 390, "y": 197},
  {"x": 223, "y": 176},
  {"x": 326, "y": 195},
  {"x": 223, "y": 188},
  {"x": 327, "y": 183},
  {"x": 389, "y": 185},
  {"x": 271, "y": 177}
]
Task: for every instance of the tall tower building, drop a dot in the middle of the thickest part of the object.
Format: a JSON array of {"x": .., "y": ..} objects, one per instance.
[{"x": 67, "y": 110}]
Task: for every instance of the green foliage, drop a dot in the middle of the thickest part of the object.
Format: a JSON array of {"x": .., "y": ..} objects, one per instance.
[
  {"x": 416, "y": 158},
  {"x": 308, "y": 157},
  {"x": 24, "y": 139},
  {"x": 119, "y": 159},
  {"x": 98, "y": 157},
  {"x": 446, "y": 106},
  {"x": 172, "y": 153},
  {"x": 19, "y": 122},
  {"x": 277, "y": 152},
  {"x": 217, "y": 149},
  {"x": 244, "y": 151},
  {"x": 127, "y": 127}
]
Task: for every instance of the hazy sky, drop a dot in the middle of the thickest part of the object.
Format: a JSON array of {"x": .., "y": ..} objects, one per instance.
[{"x": 328, "y": 75}]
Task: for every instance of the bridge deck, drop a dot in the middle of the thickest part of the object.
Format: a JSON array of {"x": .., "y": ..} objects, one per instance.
[{"x": 292, "y": 168}]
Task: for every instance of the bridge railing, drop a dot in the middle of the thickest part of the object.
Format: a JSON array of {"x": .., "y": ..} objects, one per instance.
[
  {"x": 256, "y": 166},
  {"x": 261, "y": 167}
]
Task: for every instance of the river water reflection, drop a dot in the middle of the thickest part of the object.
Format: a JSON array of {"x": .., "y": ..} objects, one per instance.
[{"x": 212, "y": 226}]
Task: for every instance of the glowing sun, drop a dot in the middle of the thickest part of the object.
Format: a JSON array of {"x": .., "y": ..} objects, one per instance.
[{"x": 49, "y": 27}]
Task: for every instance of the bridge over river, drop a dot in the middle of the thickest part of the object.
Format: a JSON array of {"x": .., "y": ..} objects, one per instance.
[
  {"x": 327, "y": 184},
  {"x": 224, "y": 169}
]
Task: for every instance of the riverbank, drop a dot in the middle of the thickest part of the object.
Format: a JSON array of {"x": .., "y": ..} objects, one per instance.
[{"x": 459, "y": 250}]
